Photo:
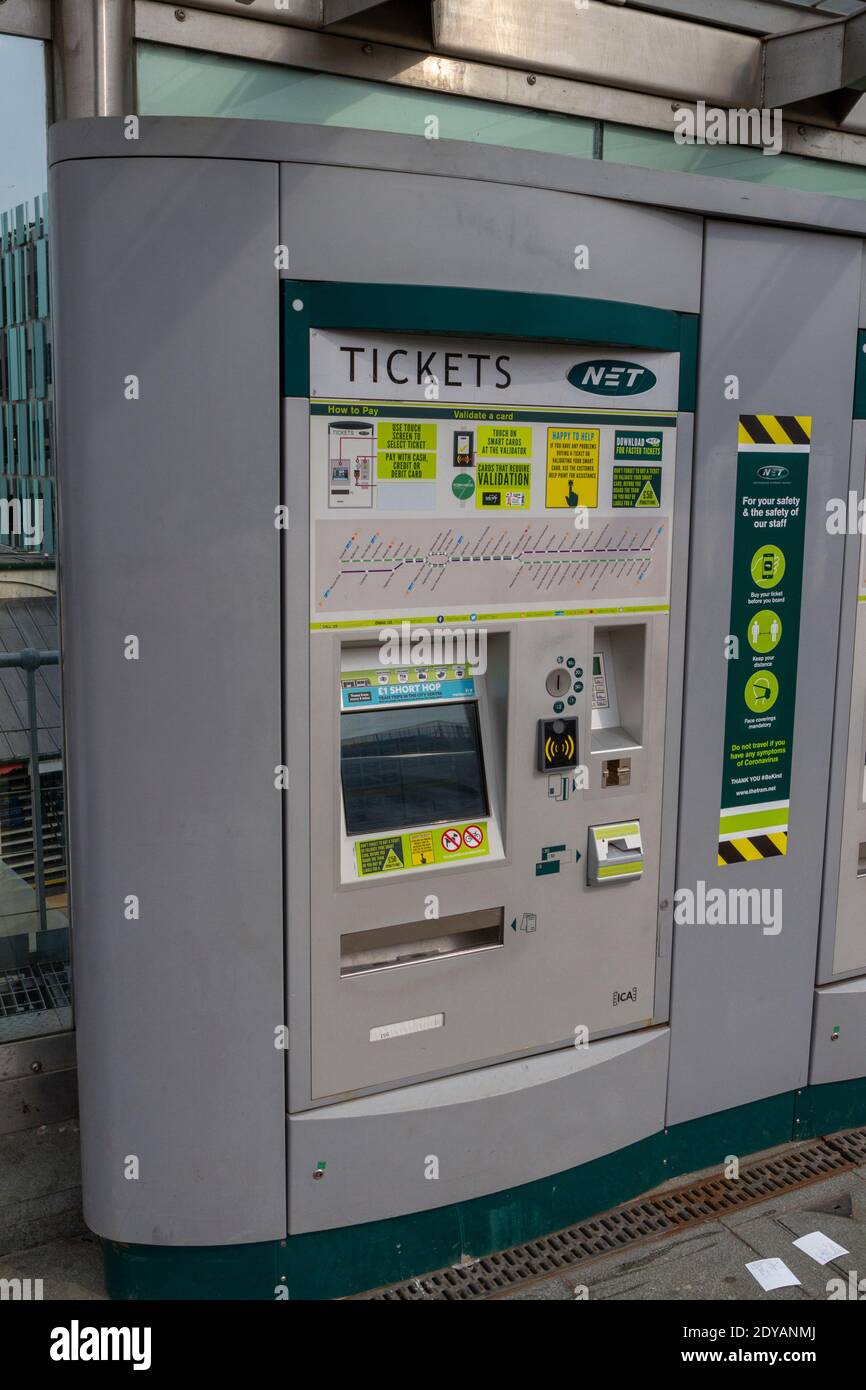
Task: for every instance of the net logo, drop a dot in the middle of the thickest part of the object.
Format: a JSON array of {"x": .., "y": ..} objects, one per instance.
[
  {"x": 607, "y": 377},
  {"x": 773, "y": 473}
]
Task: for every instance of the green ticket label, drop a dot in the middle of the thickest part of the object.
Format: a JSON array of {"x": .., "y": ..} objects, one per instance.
[
  {"x": 637, "y": 444},
  {"x": 636, "y": 487}
]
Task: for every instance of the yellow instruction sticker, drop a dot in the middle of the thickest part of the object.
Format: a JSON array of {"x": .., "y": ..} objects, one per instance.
[{"x": 572, "y": 467}]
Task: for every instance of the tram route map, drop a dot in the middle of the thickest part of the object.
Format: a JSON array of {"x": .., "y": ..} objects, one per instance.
[{"x": 478, "y": 562}]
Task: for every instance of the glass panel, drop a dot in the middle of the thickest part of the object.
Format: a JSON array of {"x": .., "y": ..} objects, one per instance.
[
  {"x": 35, "y": 992},
  {"x": 175, "y": 82},
  {"x": 415, "y": 765},
  {"x": 24, "y": 159},
  {"x": 653, "y": 149},
  {"x": 34, "y": 920}
]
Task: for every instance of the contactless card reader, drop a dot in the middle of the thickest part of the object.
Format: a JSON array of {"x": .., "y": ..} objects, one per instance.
[
  {"x": 556, "y": 744},
  {"x": 615, "y": 853}
]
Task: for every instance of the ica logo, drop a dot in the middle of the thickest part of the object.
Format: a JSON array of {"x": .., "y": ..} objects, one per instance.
[{"x": 607, "y": 377}]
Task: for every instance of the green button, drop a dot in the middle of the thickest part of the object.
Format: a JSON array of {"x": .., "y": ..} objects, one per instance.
[
  {"x": 570, "y": 661},
  {"x": 578, "y": 685},
  {"x": 579, "y": 672},
  {"x": 572, "y": 700},
  {"x": 558, "y": 707}
]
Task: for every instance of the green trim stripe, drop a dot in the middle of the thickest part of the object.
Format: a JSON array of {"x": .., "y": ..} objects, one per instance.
[
  {"x": 607, "y": 832},
  {"x": 754, "y": 820},
  {"x": 334, "y": 1263},
  {"x": 477, "y": 313},
  {"x": 467, "y": 415},
  {"x": 487, "y": 617},
  {"x": 613, "y": 870}
]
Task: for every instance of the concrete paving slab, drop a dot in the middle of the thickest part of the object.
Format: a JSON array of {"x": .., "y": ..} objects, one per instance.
[
  {"x": 40, "y": 1186},
  {"x": 68, "y": 1268}
]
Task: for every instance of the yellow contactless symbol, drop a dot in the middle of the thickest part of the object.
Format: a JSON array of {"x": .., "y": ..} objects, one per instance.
[
  {"x": 556, "y": 749},
  {"x": 557, "y": 744}
]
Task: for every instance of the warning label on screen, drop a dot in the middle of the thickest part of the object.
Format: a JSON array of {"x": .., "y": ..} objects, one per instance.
[
  {"x": 380, "y": 856},
  {"x": 419, "y": 848}
]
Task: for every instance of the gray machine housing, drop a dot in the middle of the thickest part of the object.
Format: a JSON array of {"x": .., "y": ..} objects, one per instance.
[{"x": 164, "y": 269}]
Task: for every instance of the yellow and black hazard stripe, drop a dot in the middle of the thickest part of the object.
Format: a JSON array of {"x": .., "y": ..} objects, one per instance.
[
  {"x": 748, "y": 847},
  {"x": 775, "y": 429}
]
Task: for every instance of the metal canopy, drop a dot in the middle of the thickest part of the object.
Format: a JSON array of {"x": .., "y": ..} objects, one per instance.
[{"x": 828, "y": 62}]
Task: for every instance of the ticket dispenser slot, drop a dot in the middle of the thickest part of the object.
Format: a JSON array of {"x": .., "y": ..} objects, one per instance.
[{"x": 615, "y": 853}]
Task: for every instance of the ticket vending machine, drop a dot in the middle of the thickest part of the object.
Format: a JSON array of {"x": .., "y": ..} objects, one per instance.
[
  {"x": 378, "y": 677},
  {"x": 488, "y": 649},
  {"x": 839, "y": 1020}
]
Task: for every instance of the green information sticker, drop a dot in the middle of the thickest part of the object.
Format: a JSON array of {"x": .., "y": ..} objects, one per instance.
[
  {"x": 637, "y": 444},
  {"x": 502, "y": 484},
  {"x": 636, "y": 487},
  {"x": 766, "y": 590},
  {"x": 463, "y": 486},
  {"x": 381, "y": 856},
  {"x": 765, "y": 630},
  {"x": 408, "y": 466},
  {"x": 762, "y": 691},
  {"x": 504, "y": 441},
  {"x": 768, "y": 566},
  {"x": 405, "y": 434}
]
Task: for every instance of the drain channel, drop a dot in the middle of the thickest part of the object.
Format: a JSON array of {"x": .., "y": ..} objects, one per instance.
[{"x": 634, "y": 1223}]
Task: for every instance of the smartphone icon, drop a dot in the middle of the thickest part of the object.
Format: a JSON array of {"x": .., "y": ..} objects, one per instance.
[{"x": 464, "y": 448}]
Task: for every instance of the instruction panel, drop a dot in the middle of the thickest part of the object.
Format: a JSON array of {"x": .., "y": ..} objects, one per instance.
[{"x": 457, "y": 479}]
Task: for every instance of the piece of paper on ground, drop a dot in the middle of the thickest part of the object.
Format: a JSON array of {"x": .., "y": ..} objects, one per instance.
[
  {"x": 772, "y": 1274},
  {"x": 820, "y": 1247}
]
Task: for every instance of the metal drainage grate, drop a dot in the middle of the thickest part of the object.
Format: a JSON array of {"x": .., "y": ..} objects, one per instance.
[
  {"x": 637, "y": 1222},
  {"x": 31, "y": 989},
  {"x": 852, "y": 1144}
]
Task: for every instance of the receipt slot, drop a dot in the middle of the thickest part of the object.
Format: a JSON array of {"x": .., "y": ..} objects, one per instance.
[{"x": 615, "y": 854}]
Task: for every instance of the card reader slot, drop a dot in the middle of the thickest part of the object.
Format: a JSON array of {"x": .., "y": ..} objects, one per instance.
[{"x": 410, "y": 943}]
